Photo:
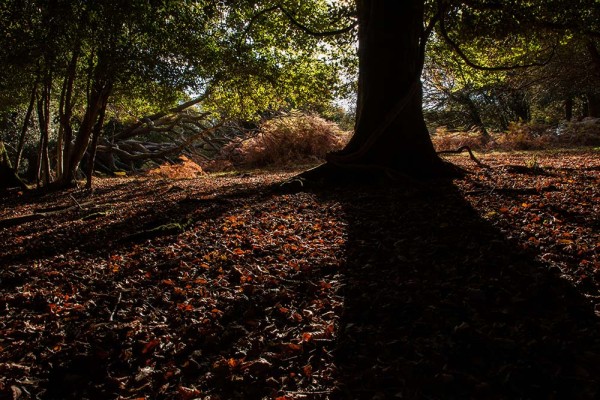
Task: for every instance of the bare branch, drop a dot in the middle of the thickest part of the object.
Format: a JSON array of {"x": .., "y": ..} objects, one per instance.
[
  {"x": 297, "y": 24},
  {"x": 149, "y": 154},
  {"x": 305, "y": 29},
  {"x": 134, "y": 129},
  {"x": 256, "y": 16}
]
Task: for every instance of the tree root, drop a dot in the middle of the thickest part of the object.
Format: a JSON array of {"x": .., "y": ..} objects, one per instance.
[
  {"x": 330, "y": 174},
  {"x": 340, "y": 174},
  {"x": 471, "y": 155}
]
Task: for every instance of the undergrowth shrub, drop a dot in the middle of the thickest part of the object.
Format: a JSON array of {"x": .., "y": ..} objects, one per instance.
[
  {"x": 186, "y": 169},
  {"x": 290, "y": 139},
  {"x": 443, "y": 139},
  {"x": 582, "y": 133},
  {"x": 521, "y": 136}
]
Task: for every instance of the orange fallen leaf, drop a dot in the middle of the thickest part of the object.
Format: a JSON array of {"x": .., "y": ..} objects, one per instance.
[
  {"x": 150, "y": 345},
  {"x": 294, "y": 346},
  {"x": 307, "y": 370}
]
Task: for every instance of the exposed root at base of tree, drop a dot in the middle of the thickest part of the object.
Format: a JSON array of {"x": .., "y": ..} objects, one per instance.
[
  {"x": 340, "y": 174},
  {"x": 460, "y": 150}
]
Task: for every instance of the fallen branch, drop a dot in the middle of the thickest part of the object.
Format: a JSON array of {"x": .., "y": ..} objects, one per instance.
[
  {"x": 515, "y": 191},
  {"x": 112, "y": 315},
  {"x": 144, "y": 152},
  {"x": 76, "y": 202},
  {"x": 8, "y": 222},
  {"x": 170, "y": 228},
  {"x": 138, "y": 127},
  {"x": 40, "y": 214}
]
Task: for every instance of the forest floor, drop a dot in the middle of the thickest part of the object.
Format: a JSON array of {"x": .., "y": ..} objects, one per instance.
[{"x": 221, "y": 288}]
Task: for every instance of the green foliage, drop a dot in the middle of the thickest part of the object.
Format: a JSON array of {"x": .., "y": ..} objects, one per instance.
[
  {"x": 552, "y": 37},
  {"x": 275, "y": 66},
  {"x": 246, "y": 56}
]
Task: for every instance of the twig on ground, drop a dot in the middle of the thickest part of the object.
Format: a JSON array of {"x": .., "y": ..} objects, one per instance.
[
  {"x": 112, "y": 315},
  {"x": 76, "y": 202}
]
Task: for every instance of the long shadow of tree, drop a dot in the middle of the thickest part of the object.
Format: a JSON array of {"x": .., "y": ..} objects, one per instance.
[{"x": 438, "y": 304}]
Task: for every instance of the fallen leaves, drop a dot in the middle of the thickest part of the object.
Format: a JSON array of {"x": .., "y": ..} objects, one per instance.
[
  {"x": 226, "y": 300},
  {"x": 261, "y": 295},
  {"x": 559, "y": 216}
]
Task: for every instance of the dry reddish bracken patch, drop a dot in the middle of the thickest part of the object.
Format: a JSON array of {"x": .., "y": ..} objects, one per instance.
[{"x": 219, "y": 287}]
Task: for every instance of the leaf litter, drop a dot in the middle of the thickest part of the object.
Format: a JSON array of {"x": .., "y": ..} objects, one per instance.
[{"x": 485, "y": 288}]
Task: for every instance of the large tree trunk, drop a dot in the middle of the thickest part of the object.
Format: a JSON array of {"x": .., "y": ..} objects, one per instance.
[
  {"x": 83, "y": 139},
  {"x": 390, "y": 133}
]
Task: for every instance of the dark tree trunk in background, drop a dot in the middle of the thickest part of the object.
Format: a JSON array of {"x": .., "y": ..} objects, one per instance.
[
  {"x": 519, "y": 104},
  {"x": 593, "y": 99},
  {"x": 98, "y": 98},
  {"x": 65, "y": 112},
  {"x": 569, "y": 109},
  {"x": 593, "y": 103},
  {"x": 100, "y": 86},
  {"x": 43, "y": 108},
  {"x": 474, "y": 114},
  {"x": 390, "y": 132},
  {"x": 95, "y": 136},
  {"x": 594, "y": 55},
  {"x": 25, "y": 127}
]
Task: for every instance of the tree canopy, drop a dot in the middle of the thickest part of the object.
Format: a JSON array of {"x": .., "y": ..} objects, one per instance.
[
  {"x": 82, "y": 63},
  {"x": 73, "y": 66}
]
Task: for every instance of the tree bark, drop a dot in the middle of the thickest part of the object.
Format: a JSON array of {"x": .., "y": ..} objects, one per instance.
[
  {"x": 66, "y": 113},
  {"x": 95, "y": 137},
  {"x": 593, "y": 102},
  {"x": 569, "y": 109},
  {"x": 84, "y": 134},
  {"x": 43, "y": 108},
  {"x": 390, "y": 132},
  {"x": 25, "y": 127}
]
